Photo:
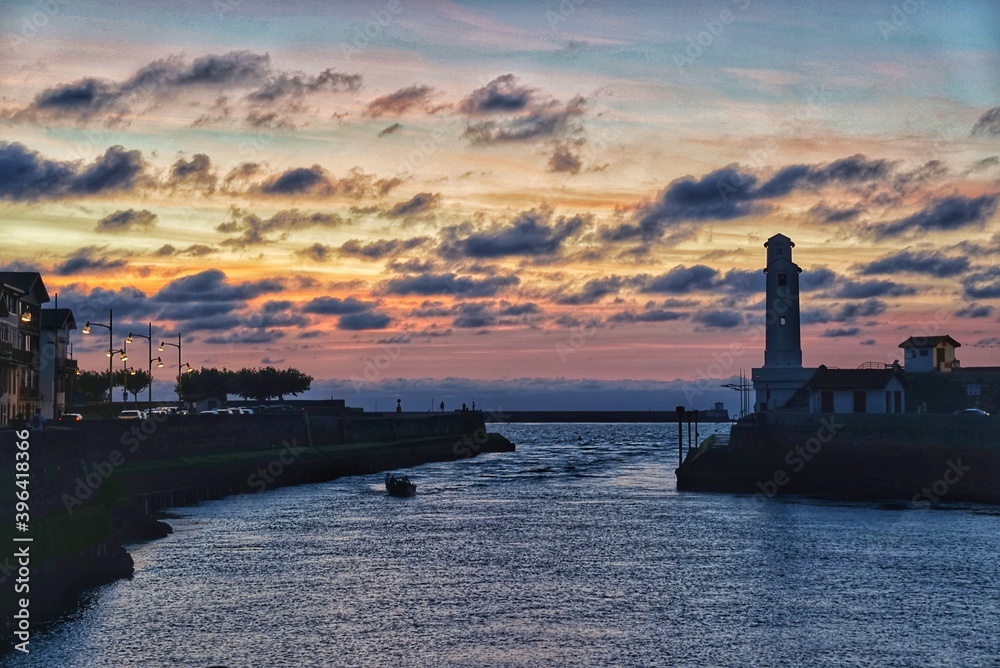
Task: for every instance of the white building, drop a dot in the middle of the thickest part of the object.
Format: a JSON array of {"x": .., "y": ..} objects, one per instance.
[
  {"x": 857, "y": 390},
  {"x": 929, "y": 353}
]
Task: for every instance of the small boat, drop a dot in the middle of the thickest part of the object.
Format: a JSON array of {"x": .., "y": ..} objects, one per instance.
[{"x": 399, "y": 486}]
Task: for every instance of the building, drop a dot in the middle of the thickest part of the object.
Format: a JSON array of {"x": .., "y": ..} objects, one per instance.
[
  {"x": 782, "y": 375},
  {"x": 58, "y": 369},
  {"x": 857, "y": 390},
  {"x": 22, "y": 294},
  {"x": 930, "y": 353}
]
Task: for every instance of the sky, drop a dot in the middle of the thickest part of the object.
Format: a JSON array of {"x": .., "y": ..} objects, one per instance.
[{"x": 540, "y": 204}]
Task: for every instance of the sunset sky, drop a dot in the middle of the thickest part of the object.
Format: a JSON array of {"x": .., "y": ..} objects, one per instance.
[{"x": 422, "y": 199}]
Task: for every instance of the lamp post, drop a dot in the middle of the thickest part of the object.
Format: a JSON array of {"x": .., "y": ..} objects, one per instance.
[
  {"x": 111, "y": 345},
  {"x": 180, "y": 370},
  {"x": 149, "y": 340}
]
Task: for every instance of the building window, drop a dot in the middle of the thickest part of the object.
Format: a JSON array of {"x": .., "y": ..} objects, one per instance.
[
  {"x": 888, "y": 401},
  {"x": 826, "y": 401},
  {"x": 924, "y": 352},
  {"x": 781, "y": 320},
  {"x": 898, "y": 401},
  {"x": 860, "y": 401},
  {"x": 782, "y": 279}
]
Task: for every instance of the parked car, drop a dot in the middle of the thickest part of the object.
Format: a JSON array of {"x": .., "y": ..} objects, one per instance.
[
  {"x": 70, "y": 417},
  {"x": 130, "y": 414},
  {"x": 971, "y": 411}
]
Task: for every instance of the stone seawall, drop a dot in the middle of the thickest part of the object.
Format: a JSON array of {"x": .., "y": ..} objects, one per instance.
[
  {"x": 95, "y": 486},
  {"x": 919, "y": 458}
]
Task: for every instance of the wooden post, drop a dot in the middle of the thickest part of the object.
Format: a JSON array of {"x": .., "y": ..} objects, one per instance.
[
  {"x": 680, "y": 435},
  {"x": 697, "y": 441}
]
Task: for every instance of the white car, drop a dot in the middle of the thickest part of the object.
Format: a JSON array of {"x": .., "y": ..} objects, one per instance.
[{"x": 131, "y": 415}]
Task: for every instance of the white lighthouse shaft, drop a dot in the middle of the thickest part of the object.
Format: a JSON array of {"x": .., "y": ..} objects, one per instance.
[{"x": 783, "y": 343}]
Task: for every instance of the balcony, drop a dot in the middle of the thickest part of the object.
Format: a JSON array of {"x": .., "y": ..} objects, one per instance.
[
  {"x": 25, "y": 357},
  {"x": 6, "y": 348},
  {"x": 26, "y": 393},
  {"x": 67, "y": 365}
]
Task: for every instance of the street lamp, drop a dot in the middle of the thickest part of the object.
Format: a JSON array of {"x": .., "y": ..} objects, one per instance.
[
  {"x": 180, "y": 369},
  {"x": 149, "y": 340},
  {"x": 111, "y": 345}
]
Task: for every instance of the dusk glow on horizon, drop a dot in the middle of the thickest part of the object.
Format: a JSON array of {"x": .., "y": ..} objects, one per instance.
[{"x": 420, "y": 199}]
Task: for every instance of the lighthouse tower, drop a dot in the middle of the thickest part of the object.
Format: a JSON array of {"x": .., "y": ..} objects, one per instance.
[
  {"x": 783, "y": 343},
  {"x": 782, "y": 375}
]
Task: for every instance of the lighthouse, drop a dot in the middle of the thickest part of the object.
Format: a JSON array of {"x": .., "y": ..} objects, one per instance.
[
  {"x": 782, "y": 376},
  {"x": 783, "y": 343}
]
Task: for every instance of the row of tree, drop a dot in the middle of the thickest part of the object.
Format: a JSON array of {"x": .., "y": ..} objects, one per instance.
[{"x": 257, "y": 384}]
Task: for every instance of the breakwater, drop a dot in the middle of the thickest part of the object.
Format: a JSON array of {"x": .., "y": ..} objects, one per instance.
[
  {"x": 710, "y": 415},
  {"x": 94, "y": 487},
  {"x": 919, "y": 458}
]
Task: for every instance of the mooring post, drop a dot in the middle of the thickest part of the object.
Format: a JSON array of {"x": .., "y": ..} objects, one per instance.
[
  {"x": 689, "y": 432},
  {"x": 680, "y": 435},
  {"x": 697, "y": 441}
]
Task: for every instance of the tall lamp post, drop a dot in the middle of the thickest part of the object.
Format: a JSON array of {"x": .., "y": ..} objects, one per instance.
[
  {"x": 180, "y": 369},
  {"x": 149, "y": 340},
  {"x": 111, "y": 345}
]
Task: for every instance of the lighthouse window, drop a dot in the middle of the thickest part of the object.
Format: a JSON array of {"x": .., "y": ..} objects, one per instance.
[
  {"x": 782, "y": 279},
  {"x": 781, "y": 321}
]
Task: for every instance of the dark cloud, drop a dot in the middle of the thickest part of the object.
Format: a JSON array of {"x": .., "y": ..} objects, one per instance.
[
  {"x": 244, "y": 336},
  {"x": 597, "y": 288},
  {"x": 212, "y": 286},
  {"x": 297, "y": 85},
  {"x": 502, "y": 95},
  {"x": 717, "y": 319},
  {"x": 160, "y": 80},
  {"x": 254, "y": 229},
  {"x": 391, "y": 129},
  {"x": 947, "y": 214},
  {"x": 316, "y": 181},
  {"x": 127, "y": 219},
  {"x": 682, "y": 279},
  {"x": 88, "y": 260},
  {"x": 532, "y": 233},
  {"x": 420, "y": 203},
  {"x": 194, "y": 174},
  {"x": 976, "y": 311},
  {"x": 115, "y": 171},
  {"x": 541, "y": 121},
  {"x": 413, "y": 265},
  {"x": 732, "y": 192},
  {"x": 564, "y": 160},
  {"x": 841, "y": 332},
  {"x": 816, "y": 278},
  {"x": 449, "y": 284},
  {"x": 27, "y": 175},
  {"x": 988, "y": 124},
  {"x": 651, "y": 315},
  {"x": 743, "y": 281},
  {"x": 477, "y": 315},
  {"x": 367, "y": 320},
  {"x": 382, "y": 248},
  {"x": 983, "y": 284},
  {"x": 933, "y": 263},
  {"x": 336, "y": 306},
  {"x": 400, "y": 102},
  {"x": 93, "y": 305},
  {"x": 846, "y": 288},
  {"x": 827, "y": 213},
  {"x": 317, "y": 252},
  {"x": 194, "y": 250},
  {"x": 845, "y": 313}
]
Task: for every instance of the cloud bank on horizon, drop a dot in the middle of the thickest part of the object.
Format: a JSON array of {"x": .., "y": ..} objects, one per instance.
[{"x": 561, "y": 190}]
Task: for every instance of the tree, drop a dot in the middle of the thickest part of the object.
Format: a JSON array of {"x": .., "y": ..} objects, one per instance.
[
  {"x": 261, "y": 384},
  {"x": 92, "y": 385},
  {"x": 213, "y": 382},
  {"x": 133, "y": 383}
]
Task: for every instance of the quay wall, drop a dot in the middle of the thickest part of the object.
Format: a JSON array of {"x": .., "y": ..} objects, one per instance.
[
  {"x": 94, "y": 487},
  {"x": 923, "y": 458}
]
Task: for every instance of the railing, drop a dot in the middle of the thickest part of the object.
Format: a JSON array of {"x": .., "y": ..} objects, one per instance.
[
  {"x": 6, "y": 348},
  {"x": 25, "y": 357},
  {"x": 66, "y": 364},
  {"x": 27, "y": 393}
]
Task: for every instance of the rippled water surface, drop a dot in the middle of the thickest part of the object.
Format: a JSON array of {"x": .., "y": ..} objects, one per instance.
[{"x": 574, "y": 551}]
